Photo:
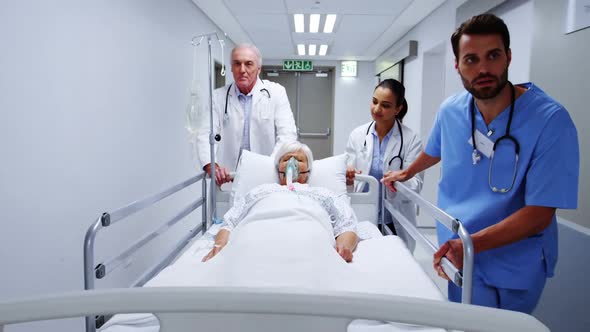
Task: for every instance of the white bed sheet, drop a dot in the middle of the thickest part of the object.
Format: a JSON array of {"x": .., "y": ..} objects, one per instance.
[{"x": 384, "y": 258}]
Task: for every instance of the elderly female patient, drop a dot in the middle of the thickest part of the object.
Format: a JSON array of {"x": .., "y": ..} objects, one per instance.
[{"x": 295, "y": 217}]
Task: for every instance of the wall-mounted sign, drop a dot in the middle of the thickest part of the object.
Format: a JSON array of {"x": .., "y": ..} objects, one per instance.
[
  {"x": 297, "y": 65},
  {"x": 348, "y": 69}
]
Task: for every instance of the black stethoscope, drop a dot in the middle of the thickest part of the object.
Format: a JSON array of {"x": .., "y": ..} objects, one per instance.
[
  {"x": 477, "y": 157},
  {"x": 225, "y": 115},
  {"x": 399, "y": 153}
]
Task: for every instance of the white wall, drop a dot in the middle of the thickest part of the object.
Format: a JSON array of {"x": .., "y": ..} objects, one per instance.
[
  {"x": 352, "y": 102},
  {"x": 559, "y": 66},
  {"x": 93, "y": 98}
]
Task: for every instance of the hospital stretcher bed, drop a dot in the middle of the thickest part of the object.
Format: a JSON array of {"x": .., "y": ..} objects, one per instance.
[{"x": 415, "y": 300}]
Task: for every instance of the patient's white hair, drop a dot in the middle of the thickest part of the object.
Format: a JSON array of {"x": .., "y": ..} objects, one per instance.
[{"x": 293, "y": 146}]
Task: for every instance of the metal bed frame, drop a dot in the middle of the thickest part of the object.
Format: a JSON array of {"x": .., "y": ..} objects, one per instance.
[
  {"x": 189, "y": 301},
  {"x": 177, "y": 308},
  {"x": 94, "y": 271}
]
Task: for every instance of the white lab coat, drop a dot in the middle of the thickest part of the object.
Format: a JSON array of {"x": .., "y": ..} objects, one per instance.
[
  {"x": 271, "y": 123},
  {"x": 361, "y": 158}
]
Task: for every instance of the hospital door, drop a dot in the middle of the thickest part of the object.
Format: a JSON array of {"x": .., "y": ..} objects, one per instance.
[{"x": 311, "y": 98}]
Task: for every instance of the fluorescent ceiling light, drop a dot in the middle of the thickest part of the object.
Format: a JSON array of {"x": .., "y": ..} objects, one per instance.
[
  {"x": 323, "y": 49},
  {"x": 272, "y": 74},
  {"x": 329, "y": 25},
  {"x": 299, "y": 24},
  {"x": 300, "y": 49},
  {"x": 314, "y": 23},
  {"x": 312, "y": 49},
  {"x": 321, "y": 75}
]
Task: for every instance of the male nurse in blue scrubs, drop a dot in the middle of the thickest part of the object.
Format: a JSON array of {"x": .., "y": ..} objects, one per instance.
[{"x": 506, "y": 187}]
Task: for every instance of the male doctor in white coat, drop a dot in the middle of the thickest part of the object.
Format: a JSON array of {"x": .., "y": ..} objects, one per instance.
[
  {"x": 249, "y": 114},
  {"x": 384, "y": 145}
]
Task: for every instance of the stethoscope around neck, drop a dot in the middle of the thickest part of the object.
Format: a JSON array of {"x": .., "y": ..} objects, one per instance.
[
  {"x": 507, "y": 137},
  {"x": 225, "y": 115},
  {"x": 399, "y": 153}
]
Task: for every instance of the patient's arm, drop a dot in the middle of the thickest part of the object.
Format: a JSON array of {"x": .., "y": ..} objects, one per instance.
[
  {"x": 345, "y": 245},
  {"x": 220, "y": 242}
]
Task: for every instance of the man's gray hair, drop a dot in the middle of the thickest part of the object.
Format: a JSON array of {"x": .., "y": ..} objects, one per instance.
[
  {"x": 293, "y": 146},
  {"x": 251, "y": 47}
]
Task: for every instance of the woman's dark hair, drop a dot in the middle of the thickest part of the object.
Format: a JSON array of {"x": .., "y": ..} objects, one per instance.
[
  {"x": 399, "y": 91},
  {"x": 484, "y": 24}
]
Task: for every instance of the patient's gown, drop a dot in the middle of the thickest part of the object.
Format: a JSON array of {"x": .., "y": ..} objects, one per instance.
[{"x": 283, "y": 239}]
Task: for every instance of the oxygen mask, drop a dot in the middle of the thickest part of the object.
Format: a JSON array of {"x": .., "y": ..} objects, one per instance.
[{"x": 292, "y": 172}]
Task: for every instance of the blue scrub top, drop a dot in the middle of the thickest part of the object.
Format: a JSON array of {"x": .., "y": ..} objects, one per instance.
[{"x": 546, "y": 175}]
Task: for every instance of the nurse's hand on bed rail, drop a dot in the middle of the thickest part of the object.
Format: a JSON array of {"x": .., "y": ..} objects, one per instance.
[
  {"x": 391, "y": 177},
  {"x": 453, "y": 251},
  {"x": 222, "y": 175},
  {"x": 350, "y": 174}
]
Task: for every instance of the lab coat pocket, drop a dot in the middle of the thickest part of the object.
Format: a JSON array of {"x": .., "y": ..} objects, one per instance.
[{"x": 264, "y": 111}]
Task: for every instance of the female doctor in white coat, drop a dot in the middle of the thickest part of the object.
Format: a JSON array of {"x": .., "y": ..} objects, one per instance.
[{"x": 385, "y": 145}]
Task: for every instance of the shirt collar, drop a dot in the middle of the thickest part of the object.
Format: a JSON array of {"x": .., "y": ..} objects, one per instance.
[{"x": 389, "y": 134}]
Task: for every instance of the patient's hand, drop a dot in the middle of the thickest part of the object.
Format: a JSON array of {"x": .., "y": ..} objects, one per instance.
[
  {"x": 344, "y": 252},
  {"x": 220, "y": 242},
  {"x": 345, "y": 245},
  {"x": 216, "y": 249}
]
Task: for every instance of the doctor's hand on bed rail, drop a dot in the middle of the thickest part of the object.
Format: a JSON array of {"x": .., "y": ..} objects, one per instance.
[
  {"x": 453, "y": 251},
  {"x": 222, "y": 175},
  {"x": 350, "y": 174}
]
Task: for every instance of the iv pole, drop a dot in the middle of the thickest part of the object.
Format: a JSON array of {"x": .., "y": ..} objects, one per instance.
[{"x": 212, "y": 138}]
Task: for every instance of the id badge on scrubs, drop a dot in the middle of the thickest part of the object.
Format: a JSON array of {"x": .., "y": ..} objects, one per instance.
[{"x": 484, "y": 144}]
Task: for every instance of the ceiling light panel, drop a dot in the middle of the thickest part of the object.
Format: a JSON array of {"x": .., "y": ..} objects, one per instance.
[
  {"x": 300, "y": 49},
  {"x": 323, "y": 49},
  {"x": 299, "y": 23},
  {"x": 329, "y": 24},
  {"x": 314, "y": 23},
  {"x": 312, "y": 49}
]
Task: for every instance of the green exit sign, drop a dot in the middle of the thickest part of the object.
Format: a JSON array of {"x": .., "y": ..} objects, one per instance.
[{"x": 297, "y": 65}]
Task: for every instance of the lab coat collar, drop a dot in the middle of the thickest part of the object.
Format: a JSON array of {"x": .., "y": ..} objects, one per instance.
[{"x": 394, "y": 131}]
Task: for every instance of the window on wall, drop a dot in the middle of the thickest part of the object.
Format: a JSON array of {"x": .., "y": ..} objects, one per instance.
[{"x": 396, "y": 72}]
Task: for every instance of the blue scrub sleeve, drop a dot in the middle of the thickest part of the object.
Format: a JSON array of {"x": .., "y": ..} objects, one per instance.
[
  {"x": 552, "y": 178},
  {"x": 433, "y": 146}
]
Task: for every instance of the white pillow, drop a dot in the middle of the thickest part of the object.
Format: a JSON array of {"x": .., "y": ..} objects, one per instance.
[
  {"x": 329, "y": 173},
  {"x": 255, "y": 169}
]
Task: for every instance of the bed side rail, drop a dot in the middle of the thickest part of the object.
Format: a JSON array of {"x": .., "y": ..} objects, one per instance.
[
  {"x": 185, "y": 302},
  {"x": 102, "y": 269},
  {"x": 464, "y": 278},
  {"x": 365, "y": 204}
]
